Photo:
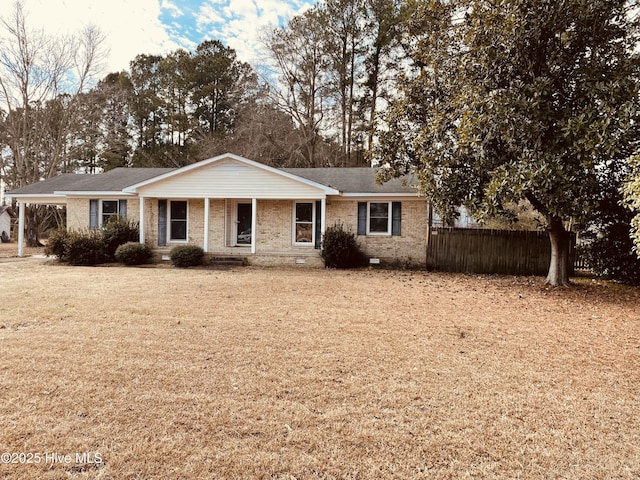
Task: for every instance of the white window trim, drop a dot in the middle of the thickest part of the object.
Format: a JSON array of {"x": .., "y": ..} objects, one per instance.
[
  {"x": 100, "y": 209},
  {"x": 313, "y": 224},
  {"x": 389, "y": 220},
  {"x": 169, "y": 238}
]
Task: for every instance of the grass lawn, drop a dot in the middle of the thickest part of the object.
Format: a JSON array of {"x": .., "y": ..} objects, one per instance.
[{"x": 161, "y": 373}]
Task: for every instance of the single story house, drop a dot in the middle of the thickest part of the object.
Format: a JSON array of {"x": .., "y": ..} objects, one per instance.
[
  {"x": 232, "y": 206},
  {"x": 5, "y": 224}
]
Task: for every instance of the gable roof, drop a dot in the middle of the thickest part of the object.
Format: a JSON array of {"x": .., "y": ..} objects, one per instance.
[
  {"x": 333, "y": 181},
  {"x": 4, "y": 209},
  {"x": 229, "y": 157}
]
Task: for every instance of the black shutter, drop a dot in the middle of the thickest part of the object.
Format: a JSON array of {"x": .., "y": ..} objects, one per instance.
[
  {"x": 396, "y": 216},
  {"x": 122, "y": 208},
  {"x": 93, "y": 213},
  {"x": 162, "y": 223},
  {"x": 362, "y": 218},
  {"x": 318, "y": 223}
]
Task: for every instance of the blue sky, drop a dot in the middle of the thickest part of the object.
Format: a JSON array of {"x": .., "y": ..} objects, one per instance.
[{"x": 159, "y": 26}]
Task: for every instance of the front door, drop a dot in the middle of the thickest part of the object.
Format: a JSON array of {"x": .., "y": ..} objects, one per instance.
[{"x": 243, "y": 224}]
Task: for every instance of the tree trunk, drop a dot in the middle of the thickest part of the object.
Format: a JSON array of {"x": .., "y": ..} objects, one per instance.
[
  {"x": 559, "y": 266},
  {"x": 32, "y": 227}
]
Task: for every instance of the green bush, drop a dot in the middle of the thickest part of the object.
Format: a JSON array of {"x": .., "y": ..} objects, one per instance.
[
  {"x": 340, "y": 249},
  {"x": 57, "y": 244},
  {"x": 84, "y": 248},
  {"x": 116, "y": 232},
  {"x": 611, "y": 255},
  {"x": 133, "y": 253},
  {"x": 186, "y": 256}
]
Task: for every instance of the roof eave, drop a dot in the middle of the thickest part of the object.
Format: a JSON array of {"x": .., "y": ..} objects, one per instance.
[
  {"x": 39, "y": 198},
  {"x": 380, "y": 194},
  {"x": 93, "y": 193}
]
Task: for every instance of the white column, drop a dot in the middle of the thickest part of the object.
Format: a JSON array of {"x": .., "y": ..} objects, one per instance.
[
  {"x": 22, "y": 207},
  {"x": 141, "y": 219},
  {"x": 323, "y": 217},
  {"x": 206, "y": 225},
  {"x": 254, "y": 232}
]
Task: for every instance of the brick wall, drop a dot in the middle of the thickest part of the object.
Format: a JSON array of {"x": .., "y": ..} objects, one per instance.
[
  {"x": 78, "y": 214},
  {"x": 409, "y": 247},
  {"x": 274, "y": 223}
]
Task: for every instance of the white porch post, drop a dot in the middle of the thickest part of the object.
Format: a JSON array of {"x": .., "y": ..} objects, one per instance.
[
  {"x": 254, "y": 214},
  {"x": 206, "y": 224},
  {"x": 141, "y": 219},
  {"x": 22, "y": 207},
  {"x": 323, "y": 217}
]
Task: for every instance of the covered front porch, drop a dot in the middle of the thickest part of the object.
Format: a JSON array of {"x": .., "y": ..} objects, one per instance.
[
  {"x": 259, "y": 229},
  {"x": 229, "y": 205}
]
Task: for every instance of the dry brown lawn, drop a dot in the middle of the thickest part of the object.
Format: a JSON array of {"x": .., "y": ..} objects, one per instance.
[{"x": 160, "y": 373}]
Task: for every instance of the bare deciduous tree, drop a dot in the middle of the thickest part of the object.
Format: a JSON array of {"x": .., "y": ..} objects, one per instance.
[{"x": 41, "y": 77}]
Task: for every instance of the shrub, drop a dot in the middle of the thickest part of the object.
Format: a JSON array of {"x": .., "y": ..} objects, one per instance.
[
  {"x": 84, "y": 248},
  {"x": 611, "y": 255},
  {"x": 186, "y": 256},
  {"x": 57, "y": 244},
  {"x": 116, "y": 232},
  {"x": 340, "y": 249},
  {"x": 133, "y": 253}
]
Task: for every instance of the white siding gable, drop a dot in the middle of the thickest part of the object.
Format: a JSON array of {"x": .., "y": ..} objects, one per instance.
[{"x": 230, "y": 179}]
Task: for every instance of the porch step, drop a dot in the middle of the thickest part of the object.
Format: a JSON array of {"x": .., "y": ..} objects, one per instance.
[{"x": 227, "y": 261}]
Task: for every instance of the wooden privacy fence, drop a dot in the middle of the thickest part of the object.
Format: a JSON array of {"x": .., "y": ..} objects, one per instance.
[{"x": 510, "y": 252}]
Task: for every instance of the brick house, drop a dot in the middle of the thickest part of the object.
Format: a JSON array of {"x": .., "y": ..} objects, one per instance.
[{"x": 232, "y": 206}]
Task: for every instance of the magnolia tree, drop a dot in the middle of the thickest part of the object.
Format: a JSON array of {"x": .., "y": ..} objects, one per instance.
[
  {"x": 632, "y": 198},
  {"x": 516, "y": 100}
]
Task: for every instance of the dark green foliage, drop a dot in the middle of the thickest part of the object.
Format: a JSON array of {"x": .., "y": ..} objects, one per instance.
[
  {"x": 76, "y": 247},
  {"x": 610, "y": 254},
  {"x": 84, "y": 248},
  {"x": 340, "y": 249},
  {"x": 186, "y": 256},
  {"x": 57, "y": 245},
  {"x": 517, "y": 100},
  {"x": 117, "y": 232},
  {"x": 133, "y": 253}
]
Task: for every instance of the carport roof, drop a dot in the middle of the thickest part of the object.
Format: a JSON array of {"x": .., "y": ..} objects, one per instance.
[{"x": 112, "y": 181}]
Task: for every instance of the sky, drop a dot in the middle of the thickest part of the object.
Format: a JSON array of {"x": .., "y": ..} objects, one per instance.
[{"x": 158, "y": 27}]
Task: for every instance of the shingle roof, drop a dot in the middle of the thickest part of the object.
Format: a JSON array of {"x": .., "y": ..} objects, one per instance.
[
  {"x": 346, "y": 180},
  {"x": 112, "y": 181},
  {"x": 354, "y": 180}
]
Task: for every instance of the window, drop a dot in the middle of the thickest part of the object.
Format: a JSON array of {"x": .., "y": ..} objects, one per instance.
[
  {"x": 101, "y": 211},
  {"x": 178, "y": 220},
  {"x": 304, "y": 215},
  {"x": 109, "y": 210},
  {"x": 379, "y": 218}
]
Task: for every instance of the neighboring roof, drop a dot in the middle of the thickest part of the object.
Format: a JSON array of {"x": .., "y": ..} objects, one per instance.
[
  {"x": 4, "y": 209},
  {"x": 355, "y": 180},
  {"x": 112, "y": 181}
]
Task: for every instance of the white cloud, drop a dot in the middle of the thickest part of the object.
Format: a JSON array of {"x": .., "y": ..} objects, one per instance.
[
  {"x": 134, "y": 27},
  {"x": 130, "y": 27},
  {"x": 172, "y": 8}
]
